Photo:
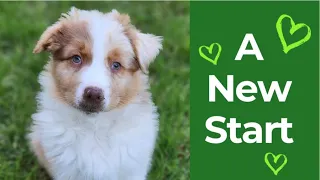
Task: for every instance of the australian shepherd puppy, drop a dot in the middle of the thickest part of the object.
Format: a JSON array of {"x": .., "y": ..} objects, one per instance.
[{"x": 95, "y": 118}]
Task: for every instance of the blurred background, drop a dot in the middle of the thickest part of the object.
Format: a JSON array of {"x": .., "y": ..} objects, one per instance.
[{"x": 22, "y": 23}]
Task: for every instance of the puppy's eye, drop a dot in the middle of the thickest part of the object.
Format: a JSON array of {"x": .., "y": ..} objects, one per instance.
[
  {"x": 115, "y": 66},
  {"x": 76, "y": 59}
]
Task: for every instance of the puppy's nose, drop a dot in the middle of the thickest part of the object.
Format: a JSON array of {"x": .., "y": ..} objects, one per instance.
[{"x": 93, "y": 95}]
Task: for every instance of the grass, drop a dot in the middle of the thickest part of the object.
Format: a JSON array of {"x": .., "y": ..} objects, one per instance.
[{"x": 21, "y": 24}]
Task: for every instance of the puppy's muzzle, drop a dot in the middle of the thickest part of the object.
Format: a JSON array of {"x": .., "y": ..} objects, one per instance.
[{"x": 92, "y": 100}]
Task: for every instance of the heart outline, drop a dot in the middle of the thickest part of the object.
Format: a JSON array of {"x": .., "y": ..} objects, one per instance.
[
  {"x": 210, "y": 49},
  {"x": 275, "y": 160},
  {"x": 293, "y": 29}
]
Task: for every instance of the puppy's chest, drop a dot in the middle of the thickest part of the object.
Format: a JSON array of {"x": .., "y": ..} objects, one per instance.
[
  {"x": 88, "y": 148},
  {"x": 90, "y": 138}
]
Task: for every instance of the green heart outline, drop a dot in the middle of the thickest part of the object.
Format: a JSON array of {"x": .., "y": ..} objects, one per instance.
[
  {"x": 275, "y": 160},
  {"x": 293, "y": 29},
  {"x": 210, "y": 49}
]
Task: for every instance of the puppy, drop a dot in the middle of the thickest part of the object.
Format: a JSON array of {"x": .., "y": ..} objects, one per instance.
[{"x": 95, "y": 118}]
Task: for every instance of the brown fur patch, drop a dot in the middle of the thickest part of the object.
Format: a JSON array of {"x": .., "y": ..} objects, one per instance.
[
  {"x": 127, "y": 63},
  {"x": 38, "y": 150},
  {"x": 125, "y": 82},
  {"x": 73, "y": 39},
  {"x": 65, "y": 78},
  {"x": 130, "y": 31},
  {"x": 124, "y": 87},
  {"x": 123, "y": 19}
]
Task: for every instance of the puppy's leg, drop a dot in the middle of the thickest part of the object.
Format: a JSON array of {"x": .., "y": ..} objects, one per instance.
[{"x": 38, "y": 150}]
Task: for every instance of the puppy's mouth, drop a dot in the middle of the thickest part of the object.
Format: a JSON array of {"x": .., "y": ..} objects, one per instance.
[{"x": 90, "y": 108}]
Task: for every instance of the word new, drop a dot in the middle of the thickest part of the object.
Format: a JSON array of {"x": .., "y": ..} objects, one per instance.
[{"x": 245, "y": 90}]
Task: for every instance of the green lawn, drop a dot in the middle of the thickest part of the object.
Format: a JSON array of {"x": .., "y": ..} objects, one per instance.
[{"x": 21, "y": 24}]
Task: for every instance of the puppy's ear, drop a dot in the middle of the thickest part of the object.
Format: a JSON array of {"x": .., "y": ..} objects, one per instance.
[
  {"x": 123, "y": 19},
  {"x": 52, "y": 38},
  {"x": 147, "y": 48},
  {"x": 49, "y": 39}
]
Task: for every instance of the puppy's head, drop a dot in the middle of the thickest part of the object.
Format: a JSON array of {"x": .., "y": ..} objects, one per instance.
[{"x": 98, "y": 61}]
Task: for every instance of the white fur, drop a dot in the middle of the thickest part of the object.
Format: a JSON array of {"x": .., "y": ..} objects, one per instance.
[{"x": 114, "y": 145}]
